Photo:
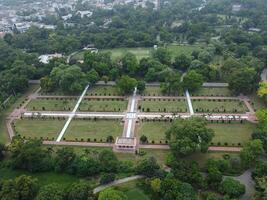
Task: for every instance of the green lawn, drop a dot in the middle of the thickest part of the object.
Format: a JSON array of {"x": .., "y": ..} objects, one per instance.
[
  {"x": 207, "y": 91},
  {"x": 156, "y": 91},
  {"x": 103, "y": 91},
  {"x": 154, "y": 131},
  {"x": 211, "y": 106},
  {"x": 90, "y": 129},
  {"x": 103, "y": 105},
  {"x": 4, "y": 138},
  {"x": 52, "y": 105},
  {"x": 182, "y": 49},
  {"x": 132, "y": 190},
  {"x": 45, "y": 178},
  {"x": 163, "y": 105},
  {"x": 233, "y": 133},
  {"x": 36, "y": 128},
  {"x": 138, "y": 52}
]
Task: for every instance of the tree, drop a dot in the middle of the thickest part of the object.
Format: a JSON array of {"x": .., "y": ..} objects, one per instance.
[
  {"x": 192, "y": 80},
  {"x": 242, "y": 80},
  {"x": 129, "y": 64},
  {"x": 262, "y": 117},
  {"x": 172, "y": 84},
  {"x": 92, "y": 76},
  {"x": 47, "y": 84},
  {"x": 261, "y": 135},
  {"x": 261, "y": 188},
  {"x": 214, "y": 177},
  {"x": 141, "y": 86},
  {"x": 111, "y": 194},
  {"x": 143, "y": 139},
  {"x": 2, "y": 149},
  {"x": 147, "y": 167},
  {"x": 126, "y": 84},
  {"x": 155, "y": 184},
  {"x": 232, "y": 188},
  {"x": 172, "y": 188},
  {"x": 182, "y": 62},
  {"x": 188, "y": 135},
  {"x": 21, "y": 188},
  {"x": 64, "y": 159},
  {"x": 251, "y": 152},
  {"x": 107, "y": 178},
  {"x": 205, "y": 57},
  {"x": 162, "y": 55},
  {"x": 262, "y": 91},
  {"x": 108, "y": 161},
  {"x": 79, "y": 191},
  {"x": 51, "y": 191}
]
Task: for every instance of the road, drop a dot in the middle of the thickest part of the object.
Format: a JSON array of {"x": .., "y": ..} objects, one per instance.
[{"x": 264, "y": 75}]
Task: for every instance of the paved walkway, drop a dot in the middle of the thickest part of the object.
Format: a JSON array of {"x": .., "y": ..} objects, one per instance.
[
  {"x": 72, "y": 115},
  {"x": 189, "y": 103},
  {"x": 264, "y": 75},
  {"x": 116, "y": 182}
]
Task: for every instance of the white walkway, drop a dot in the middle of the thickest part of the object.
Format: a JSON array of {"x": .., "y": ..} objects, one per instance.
[
  {"x": 132, "y": 115},
  {"x": 72, "y": 115},
  {"x": 189, "y": 103}
]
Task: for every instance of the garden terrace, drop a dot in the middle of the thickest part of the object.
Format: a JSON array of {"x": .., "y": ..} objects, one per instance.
[
  {"x": 169, "y": 105},
  {"x": 44, "y": 128},
  {"x": 212, "y": 91},
  {"x": 93, "y": 130},
  {"x": 231, "y": 133},
  {"x": 219, "y": 106},
  {"x": 48, "y": 104},
  {"x": 156, "y": 91},
  {"x": 103, "y": 105},
  {"x": 100, "y": 90}
]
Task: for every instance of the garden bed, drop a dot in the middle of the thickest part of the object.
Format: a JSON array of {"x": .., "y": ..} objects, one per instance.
[
  {"x": 212, "y": 91},
  {"x": 103, "y": 105},
  {"x": 51, "y": 105},
  {"x": 103, "y": 91}
]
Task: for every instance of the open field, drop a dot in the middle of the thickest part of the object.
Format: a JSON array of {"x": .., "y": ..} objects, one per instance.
[
  {"x": 94, "y": 130},
  {"x": 132, "y": 191},
  {"x": 103, "y": 91},
  {"x": 154, "y": 131},
  {"x": 209, "y": 91},
  {"x": 163, "y": 105},
  {"x": 6, "y": 112},
  {"x": 233, "y": 133},
  {"x": 210, "y": 106},
  {"x": 101, "y": 105},
  {"x": 51, "y": 105},
  {"x": 177, "y": 50},
  {"x": 37, "y": 128}
]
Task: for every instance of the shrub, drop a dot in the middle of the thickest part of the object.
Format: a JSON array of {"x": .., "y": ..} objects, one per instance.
[{"x": 107, "y": 178}]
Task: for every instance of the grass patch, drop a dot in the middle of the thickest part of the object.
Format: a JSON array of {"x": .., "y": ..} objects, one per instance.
[
  {"x": 51, "y": 105},
  {"x": 163, "y": 105},
  {"x": 257, "y": 102},
  {"x": 154, "y": 131},
  {"x": 232, "y": 134},
  {"x": 37, "y": 128},
  {"x": 152, "y": 91},
  {"x": 187, "y": 50},
  {"x": 94, "y": 130},
  {"x": 4, "y": 138},
  {"x": 138, "y": 52},
  {"x": 103, "y": 105},
  {"x": 222, "y": 106},
  {"x": 103, "y": 91},
  {"x": 132, "y": 190},
  {"x": 209, "y": 91}
]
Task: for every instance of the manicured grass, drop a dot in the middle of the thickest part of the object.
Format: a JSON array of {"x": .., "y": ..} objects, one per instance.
[
  {"x": 138, "y": 52},
  {"x": 51, "y": 105},
  {"x": 163, "y": 105},
  {"x": 154, "y": 131},
  {"x": 37, "y": 128},
  {"x": 211, "y": 106},
  {"x": 233, "y": 133},
  {"x": 156, "y": 91},
  {"x": 90, "y": 129},
  {"x": 4, "y": 138},
  {"x": 103, "y": 105},
  {"x": 207, "y": 91},
  {"x": 45, "y": 178},
  {"x": 132, "y": 191},
  {"x": 103, "y": 91}
]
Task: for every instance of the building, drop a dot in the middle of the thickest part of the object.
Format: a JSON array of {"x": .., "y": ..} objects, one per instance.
[{"x": 125, "y": 144}]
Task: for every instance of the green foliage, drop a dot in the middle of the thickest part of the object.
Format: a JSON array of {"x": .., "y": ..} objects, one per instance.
[
  {"x": 21, "y": 188},
  {"x": 148, "y": 167},
  {"x": 182, "y": 62},
  {"x": 126, "y": 85},
  {"x": 107, "y": 178},
  {"x": 79, "y": 191},
  {"x": 251, "y": 152},
  {"x": 111, "y": 194},
  {"x": 162, "y": 55},
  {"x": 192, "y": 80},
  {"x": 186, "y": 136},
  {"x": 51, "y": 191},
  {"x": 232, "y": 188},
  {"x": 64, "y": 158},
  {"x": 172, "y": 84}
]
